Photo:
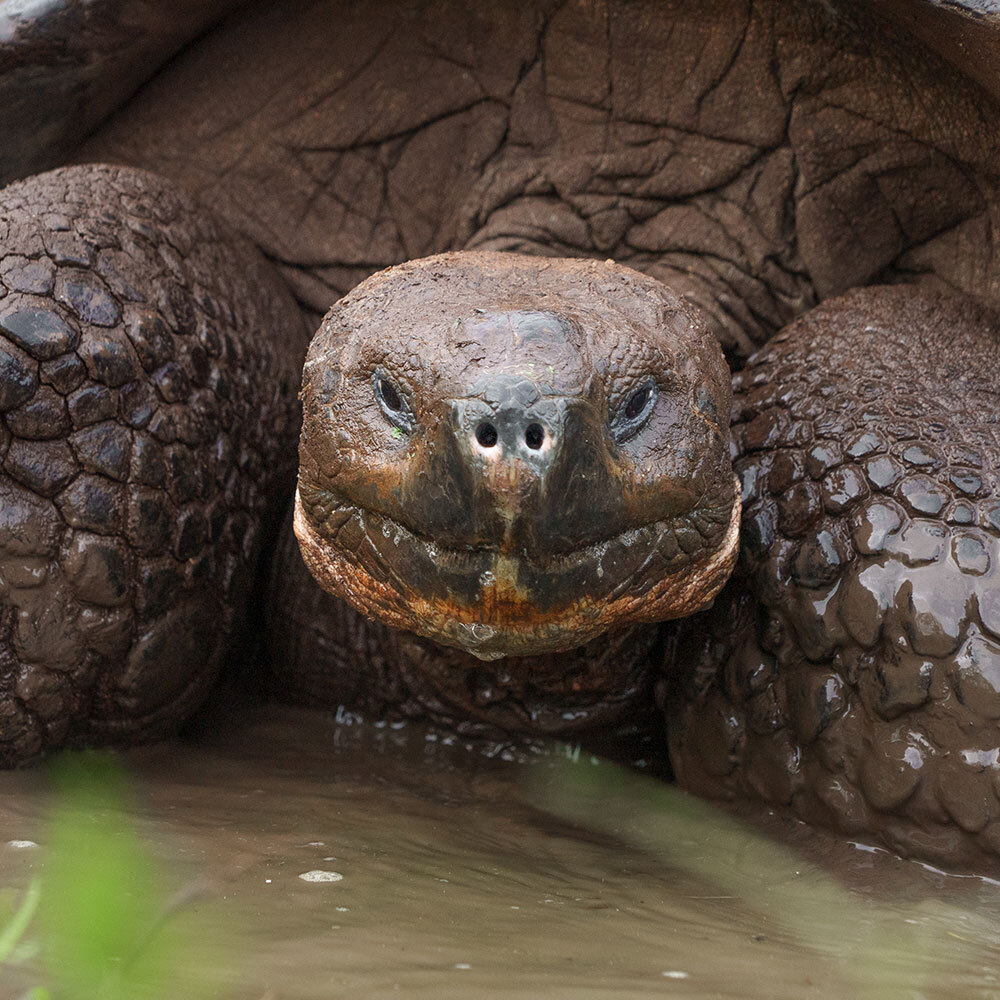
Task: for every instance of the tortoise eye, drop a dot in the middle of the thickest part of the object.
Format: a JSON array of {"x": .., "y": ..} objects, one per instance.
[
  {"x": 637, "y": 402},
  {"x": 392, "y": 402},
  {"x": 631, "y": 416},
  {"x": 388, "y": 395}
]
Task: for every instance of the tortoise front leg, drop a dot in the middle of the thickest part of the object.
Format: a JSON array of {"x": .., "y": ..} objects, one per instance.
[
  {"x": 852, "y": 670},
  {"x": 149, "y": 361}
]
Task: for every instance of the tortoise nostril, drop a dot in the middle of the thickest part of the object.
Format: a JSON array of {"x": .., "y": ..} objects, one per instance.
[
  {"x": 486, "y": 435},
  {"x": 534, "y": 435}
]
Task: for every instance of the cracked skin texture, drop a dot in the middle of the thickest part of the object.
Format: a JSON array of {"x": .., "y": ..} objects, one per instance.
[
  {"x": 760, "y": 159},
  {"x": 756, "y": 156}
]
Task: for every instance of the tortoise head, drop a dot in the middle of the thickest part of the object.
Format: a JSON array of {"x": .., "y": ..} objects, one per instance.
[{"x": 514, "y": 454}]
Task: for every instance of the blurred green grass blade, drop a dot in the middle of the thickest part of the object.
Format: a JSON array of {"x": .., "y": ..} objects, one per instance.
[
  {"x": 13, "y": 930},
  {"x": 107, "y": 932},
  {"x": 99, "y": 893},
  {"x": 884, "y": 957}
]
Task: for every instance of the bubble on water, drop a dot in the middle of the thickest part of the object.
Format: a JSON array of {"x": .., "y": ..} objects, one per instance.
[
  {"x": 318, "y": 875},
  {"x": 462, "y": 965},
  {"x": 674, "y": 974},
  {"x": 21, "y": 844}
]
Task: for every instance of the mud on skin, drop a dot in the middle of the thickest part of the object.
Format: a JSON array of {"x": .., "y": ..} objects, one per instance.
[
  {"x": 512, "y": 455},
  {"x": 861, "y": 686},
  {"x": 759, "y": 159},
  {"x": 148, "y": 413}
]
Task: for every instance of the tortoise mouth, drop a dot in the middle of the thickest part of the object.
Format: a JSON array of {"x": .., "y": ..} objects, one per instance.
[{"x": 493, "y": 604}]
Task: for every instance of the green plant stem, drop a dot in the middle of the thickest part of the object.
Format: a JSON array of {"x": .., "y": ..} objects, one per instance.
[{"x": 18, "y": 924}]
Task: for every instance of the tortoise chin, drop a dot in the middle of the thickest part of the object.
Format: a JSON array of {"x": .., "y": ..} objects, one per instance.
[{"x": 513, "y": 455}]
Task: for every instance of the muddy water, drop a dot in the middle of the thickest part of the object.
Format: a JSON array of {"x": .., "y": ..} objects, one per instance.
[{"x": 472, "y": 877}]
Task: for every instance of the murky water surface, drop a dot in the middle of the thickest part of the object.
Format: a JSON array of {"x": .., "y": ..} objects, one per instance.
[{"x": 470, "y": 877}]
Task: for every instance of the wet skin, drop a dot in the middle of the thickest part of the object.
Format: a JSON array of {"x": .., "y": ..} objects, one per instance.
[
  {"x": 509, "y": 480},
  {"x": 783, "y": 155}
]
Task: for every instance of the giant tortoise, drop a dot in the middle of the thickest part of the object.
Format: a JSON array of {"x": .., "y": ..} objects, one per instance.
[{"x": 535, "y": 238}]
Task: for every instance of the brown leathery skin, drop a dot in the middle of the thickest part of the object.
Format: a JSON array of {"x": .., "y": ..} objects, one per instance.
[
  {"x": 851, "y": 670},
  {"x": 149, "y": 359},
  {"x": 508, "y": 545},
  {"x": 98, "y": 51},
  {"x": 757, "y": 156}
]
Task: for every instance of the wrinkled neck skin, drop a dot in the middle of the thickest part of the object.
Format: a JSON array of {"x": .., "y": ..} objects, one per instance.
[
  {"x": 512, "y": 456},
  {"x": 599, "y": 696}
]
